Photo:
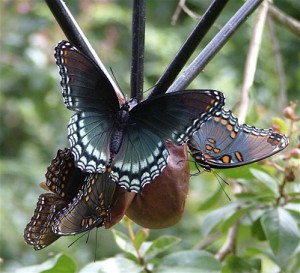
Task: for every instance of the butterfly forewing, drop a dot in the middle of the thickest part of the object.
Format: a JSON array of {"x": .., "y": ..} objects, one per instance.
[
  {"x": 89, "y": 208},
  {"x": 176, "y": 116},
  {"x": 84, "y": 86},
  {"x": 223, "y": 143}
]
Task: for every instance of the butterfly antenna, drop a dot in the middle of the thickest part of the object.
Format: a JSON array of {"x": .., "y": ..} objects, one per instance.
[
  {"x": 115, "y": 79},
  {"x": 77, "y": 239},
  {"x": 219, "y": 177}
]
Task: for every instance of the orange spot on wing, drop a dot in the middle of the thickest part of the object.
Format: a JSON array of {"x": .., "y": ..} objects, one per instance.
[
  {"x": 208, "y": 147},
  {"x": 224, "y": 121},
  {"x": 211, "y": 140},
  {"x": 216, "y": 150},
  {"x": 226, "y": 159},
  {"x": 239, "y": 156},
  {"x": 233, "y": 134}
]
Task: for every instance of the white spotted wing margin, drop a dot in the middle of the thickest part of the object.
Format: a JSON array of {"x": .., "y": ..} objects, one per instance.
[{"x": 142, "y": 154}]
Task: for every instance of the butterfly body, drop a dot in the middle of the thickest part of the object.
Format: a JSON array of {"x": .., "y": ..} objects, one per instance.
[
  {"x": 129, "y": 140},
  {"x": 222, "y": 142}
]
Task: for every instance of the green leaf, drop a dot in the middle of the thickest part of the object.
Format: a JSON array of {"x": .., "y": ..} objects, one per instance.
[
  {"x": 60, "y": 263},
  {"x": 191, "y": 261},
  {"x": 236, "y": 264},
  {"x": 115, "y": 265},
  {"x": 281, "y": 123},
  {"x": 211, "y": 201},
  {"x": 124, "y": 242},
  {"x": 140, "y": 237},
  {"x": 282, "y": 233},
  {"x": 267, "y": 180},
  {"x": 161, "y": 244},
  {"x": 217, "y": 216},
  {"x": 257, "y": 230}
]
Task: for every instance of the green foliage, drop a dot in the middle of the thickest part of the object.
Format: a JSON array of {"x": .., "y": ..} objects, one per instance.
[{"x": 257, "y": 230}]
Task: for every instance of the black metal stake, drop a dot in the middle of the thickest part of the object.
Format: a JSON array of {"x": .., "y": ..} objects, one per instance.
[
  {"x": 188, "y": 47},
  {"x": 138, "y": 47},
  {"x": 74, "y": 34},
  {"x": 214, "y": 46}
]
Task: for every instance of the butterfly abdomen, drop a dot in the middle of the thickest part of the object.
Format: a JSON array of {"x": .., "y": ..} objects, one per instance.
[{"x": 120, "y": 124}]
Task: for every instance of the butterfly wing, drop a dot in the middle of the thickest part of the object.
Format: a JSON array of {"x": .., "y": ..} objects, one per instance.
[
  {"x": 176, "y": 116},
  {"x": 89, "y": 209},
  {"x": 86, "y": 89},
  {"x": 62, "y": 177},
  {"x": 89, "y": 134},
  {"x": 84, "y": 85},
  {"x": 222, "y": 143},
  {"x": 38, "y": 231},
  {"x": 142, "y": 157}
]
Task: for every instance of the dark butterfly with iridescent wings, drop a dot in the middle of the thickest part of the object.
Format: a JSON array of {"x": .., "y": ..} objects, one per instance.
[
  {"x": 126, "y": 137},
  {"x": 221, "y": 142},
  {"x": 64, "y": 180},
  {"x": 89, "y": 209}
]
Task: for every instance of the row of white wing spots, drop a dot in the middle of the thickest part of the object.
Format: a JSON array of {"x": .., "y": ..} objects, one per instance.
[
  {"x": 42, "y": 202},
  {"x": 256, "y": 131},
  {"x": 82, "y": 161},
  {"x": 203, "y": 117},
  {"x": 63, "y": 74},
  {"x": 136, "y": 184},
  {"x": 232, "y": 120}
]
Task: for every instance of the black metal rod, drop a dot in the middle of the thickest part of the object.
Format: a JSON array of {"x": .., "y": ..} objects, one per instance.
[
  {"x": 138, "y": 47},
  {"x": 188, "y": 47},
  {"x": 214, "y": 46},
  {"x": 74, "y": 34}
]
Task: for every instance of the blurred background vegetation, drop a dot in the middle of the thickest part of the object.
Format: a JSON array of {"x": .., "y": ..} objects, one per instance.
[{"x": 34, "y": 118}]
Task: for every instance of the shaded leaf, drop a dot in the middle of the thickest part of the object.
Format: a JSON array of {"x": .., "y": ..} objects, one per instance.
[
  {"x": 60, "y": 263},
  {"x": 124, "y": 242},
  {"x": 161, "y": 244},
  {"x": 236, "y": 264},
  {"x": 211, "y": 201},
  {"x": 282, "y": 233},
  {"x": 140, "y": 237},
  {"x": 267, "y": 180},
  {"x": 115, "y": 265},
  {"x": 217, "y": 216},
  {"x": 189, "y": 261}
]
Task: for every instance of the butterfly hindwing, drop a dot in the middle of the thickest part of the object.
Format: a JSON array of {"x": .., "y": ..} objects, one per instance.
[
  {"x": 62, "y": 177},
  {"x": 89, "y": 134},
  {"x": 38, "y": 231},
  {"x": 89, "y": 208},
  {"x": 223, "y": 143},
  {"x": 142, "y": 152}
]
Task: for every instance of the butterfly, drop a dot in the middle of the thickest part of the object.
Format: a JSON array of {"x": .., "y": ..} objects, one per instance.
[
  {"x": 89, "y": 208},
  {"x": 64, "y": 180},
  {"x": 127, "y": 138},
  {"x": 221, "y": 142}
]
